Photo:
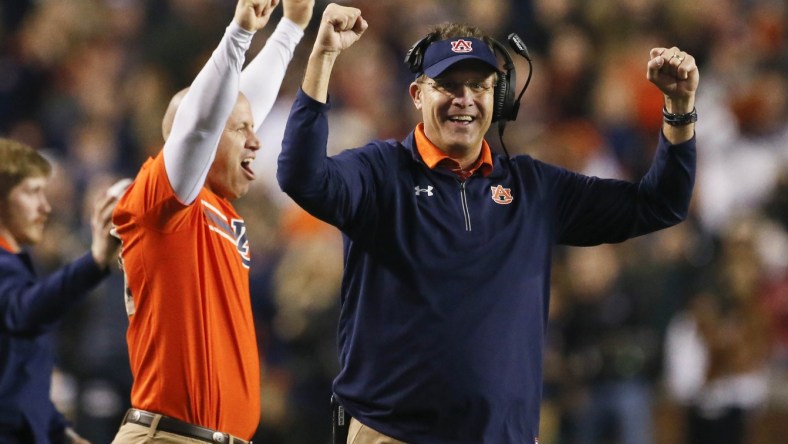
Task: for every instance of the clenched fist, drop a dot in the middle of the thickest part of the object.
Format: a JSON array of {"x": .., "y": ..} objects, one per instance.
[{"x": 253, "y": 15}]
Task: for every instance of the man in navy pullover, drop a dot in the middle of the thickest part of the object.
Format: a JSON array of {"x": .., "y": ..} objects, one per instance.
[
  {"x": 31, "y": 306},
  {"x": 448, "y": 245}
]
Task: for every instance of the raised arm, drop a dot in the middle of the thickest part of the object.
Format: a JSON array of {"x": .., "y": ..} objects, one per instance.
[
  {"x": 262, "y": 77},
  {"x": 202, "y": 114},
  {"x": 340, "y": 28}
]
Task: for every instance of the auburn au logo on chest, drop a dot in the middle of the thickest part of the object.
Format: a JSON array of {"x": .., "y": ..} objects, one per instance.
[
  {"x": 501, "y": 195},
  {"x": 233, "y": 230}
]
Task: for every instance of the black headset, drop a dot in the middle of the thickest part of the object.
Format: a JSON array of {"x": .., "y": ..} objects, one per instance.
[{"x": 505, "y": 106}]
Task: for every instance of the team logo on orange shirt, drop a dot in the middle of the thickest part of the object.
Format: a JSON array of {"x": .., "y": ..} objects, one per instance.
[
  {"x": 232, "y": 230},
  {"x": 242, "y": 241},
  {"x": 501, "y": 195}
]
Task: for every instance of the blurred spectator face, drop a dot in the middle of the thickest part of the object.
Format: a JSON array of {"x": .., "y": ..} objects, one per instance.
[
  {"x": 24, "y": 212},
  {"x": 593, "y": 271},
  {"x": 456, "y": 107},
  {"x": 761, "y": 107},
  {"x": 490, "y": 14}
]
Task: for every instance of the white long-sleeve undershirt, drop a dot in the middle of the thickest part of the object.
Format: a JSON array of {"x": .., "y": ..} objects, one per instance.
[
  {"x": 202, "y": 115},
  {"x": 262, "y": 77}
]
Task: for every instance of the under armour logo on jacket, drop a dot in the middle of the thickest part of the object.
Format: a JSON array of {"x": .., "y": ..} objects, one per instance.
[
  {"x": 501, "y": 195},
  {"x": 427, "y": 190}
]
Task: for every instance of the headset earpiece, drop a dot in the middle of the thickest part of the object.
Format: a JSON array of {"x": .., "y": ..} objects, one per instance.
[{"x": 503, "y": 98}]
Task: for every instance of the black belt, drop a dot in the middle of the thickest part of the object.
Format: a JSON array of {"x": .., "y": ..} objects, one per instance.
[{"x": 178, "y": 427}]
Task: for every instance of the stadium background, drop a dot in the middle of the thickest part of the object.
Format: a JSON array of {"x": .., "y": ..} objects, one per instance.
[{"x": 88, "y": 80}]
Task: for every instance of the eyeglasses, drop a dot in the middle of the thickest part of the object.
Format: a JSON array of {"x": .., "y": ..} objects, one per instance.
[{"x": 452, "y": 88}]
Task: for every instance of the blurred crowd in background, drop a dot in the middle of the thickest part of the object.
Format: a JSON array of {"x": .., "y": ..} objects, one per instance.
[{"x": 679, "y": 333}]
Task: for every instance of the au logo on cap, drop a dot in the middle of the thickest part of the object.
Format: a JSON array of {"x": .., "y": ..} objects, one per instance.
[{"x": 461, "y": 46}]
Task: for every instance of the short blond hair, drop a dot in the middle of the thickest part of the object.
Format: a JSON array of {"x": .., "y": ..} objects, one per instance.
[{"x": 19, "y": 161}]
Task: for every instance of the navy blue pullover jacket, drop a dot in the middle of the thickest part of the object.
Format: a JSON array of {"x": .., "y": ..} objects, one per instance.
[
  {"x": 31, "y": 308},
  {"x": 445, "y": 292}
]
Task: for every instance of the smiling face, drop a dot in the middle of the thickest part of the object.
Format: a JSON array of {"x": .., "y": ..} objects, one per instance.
[
  {"x": 24, "y": 212},
  {"x": 457, "y": 108},
  {"x": 231, "y": 174}
]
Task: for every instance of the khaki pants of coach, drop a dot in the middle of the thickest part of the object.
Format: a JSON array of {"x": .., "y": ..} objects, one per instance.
[
  {"x": 131, "y": 433},
  {"x": 358, "y": 433}
]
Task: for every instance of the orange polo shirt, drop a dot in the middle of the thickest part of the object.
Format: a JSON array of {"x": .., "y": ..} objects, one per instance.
[{"x": 191, "y": 335}]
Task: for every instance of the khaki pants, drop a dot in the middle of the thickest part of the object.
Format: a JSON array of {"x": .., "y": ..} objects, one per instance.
[
  {"x": 358, "y": 433},
  {"x": 131, "y": 433}
]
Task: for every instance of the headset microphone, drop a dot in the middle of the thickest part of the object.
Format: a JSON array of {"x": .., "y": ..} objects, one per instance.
[{"x": 519, "y": 47}]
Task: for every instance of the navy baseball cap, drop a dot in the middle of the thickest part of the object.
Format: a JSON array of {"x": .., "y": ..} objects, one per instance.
[{"x": 442, "y": 54}]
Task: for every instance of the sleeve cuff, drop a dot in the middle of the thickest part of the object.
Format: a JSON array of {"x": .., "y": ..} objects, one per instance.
[
  {"x": 664, "y": 140},
  {"x": 290, "y": 29},
  {"x": 235, "y": 30},
  {"x": 309, "y": 103}
]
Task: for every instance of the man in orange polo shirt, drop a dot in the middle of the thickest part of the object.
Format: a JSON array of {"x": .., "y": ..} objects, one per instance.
[{"x": 185, "y": 251}]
